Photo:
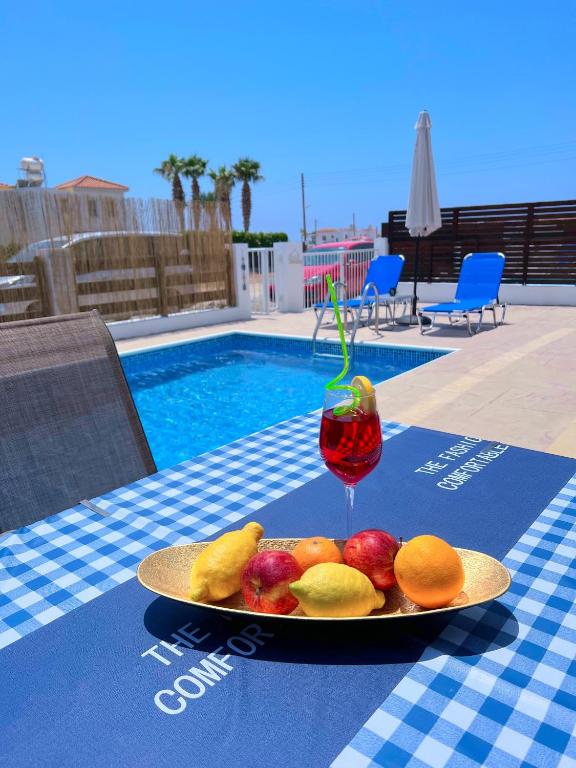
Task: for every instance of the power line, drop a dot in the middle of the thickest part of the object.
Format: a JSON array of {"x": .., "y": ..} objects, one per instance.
[
  {"x": 542, "y": 149},
  {"x": 448, "y": 171},
  {"x": 471, "y": 164}
]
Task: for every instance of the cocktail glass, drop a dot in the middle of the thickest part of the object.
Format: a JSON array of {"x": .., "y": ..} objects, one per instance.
[{"x": 350, "y": 440}]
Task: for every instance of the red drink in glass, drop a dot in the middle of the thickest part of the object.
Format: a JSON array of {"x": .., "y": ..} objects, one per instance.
[{"x": 350, "y": 443}]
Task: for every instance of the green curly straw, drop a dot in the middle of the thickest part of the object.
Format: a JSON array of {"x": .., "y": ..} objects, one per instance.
[{"x": 332, "y": 385}]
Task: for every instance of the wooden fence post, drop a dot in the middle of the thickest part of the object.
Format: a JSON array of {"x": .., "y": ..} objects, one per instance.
[
  {"x": 42, "y": 284},
  {"x": 160, "y": 269},
  {"x": 389, "y": 233},
  {"x": 230, "y": 283},
  {"x": 59, "y": 282},
  {"x": 528, "y": 234}
]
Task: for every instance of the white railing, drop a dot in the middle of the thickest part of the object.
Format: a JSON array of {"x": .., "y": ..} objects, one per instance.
[
  {"x": 261, "y": 280},
  {"x": 347, "y": 267}
]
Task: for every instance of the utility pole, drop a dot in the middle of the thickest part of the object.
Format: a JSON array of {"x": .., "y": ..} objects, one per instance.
[
  {"x": 304, "y": 232},
  {"x": 354, "y": 224}
]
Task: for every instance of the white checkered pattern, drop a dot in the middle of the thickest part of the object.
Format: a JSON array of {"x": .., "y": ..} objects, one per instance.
[
  {"x": 510, "y": 704},
  {"x": 58, "y": 564}
]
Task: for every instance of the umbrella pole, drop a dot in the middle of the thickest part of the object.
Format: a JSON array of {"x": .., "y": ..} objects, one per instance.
[{"x": 416, "y": 268}]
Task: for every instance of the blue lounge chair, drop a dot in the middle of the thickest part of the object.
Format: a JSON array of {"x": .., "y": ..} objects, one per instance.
[
  {"x": 477, "y": 290},
  {"x": 380, "y": 285}
]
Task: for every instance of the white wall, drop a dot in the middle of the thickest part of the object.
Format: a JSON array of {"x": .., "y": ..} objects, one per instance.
[
  {"x": 381, "y": 246},
  {"x": 241, "y": 279},
  {"x": 344, "y": 233},
  {"x": 116, "y": 194},
  {"x": 130, "y": 329},
  {"x": 536, "y": 295},
  {"x": 289, "y": 276}
]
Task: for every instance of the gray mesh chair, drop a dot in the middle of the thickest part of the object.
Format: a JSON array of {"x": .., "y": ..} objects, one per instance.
[{"x": 69, "y": 429}]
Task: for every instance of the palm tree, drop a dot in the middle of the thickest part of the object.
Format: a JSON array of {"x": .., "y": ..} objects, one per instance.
[
  {"x": 224, "y": 179},
  {"x": 170, "y": 169},
  {"x": 247, "y": 171},
  {"x": 208, "y": 201},
  {"x": 193, "y": 168}
]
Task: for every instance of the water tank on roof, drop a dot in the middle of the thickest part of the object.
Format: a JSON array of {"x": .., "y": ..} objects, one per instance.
[
  {"x": 32, "y": 169},
  {"x": 32, "y": 164}
]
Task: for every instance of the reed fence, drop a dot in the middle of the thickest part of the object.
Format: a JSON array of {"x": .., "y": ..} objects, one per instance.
[
  {"x": 23, "y": 292},
  {"x": 538, "y": 239},
  {"x": 125, "y": 257}
]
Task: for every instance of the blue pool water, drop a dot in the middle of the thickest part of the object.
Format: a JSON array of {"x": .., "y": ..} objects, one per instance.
[{"x": 200, "y": 395}]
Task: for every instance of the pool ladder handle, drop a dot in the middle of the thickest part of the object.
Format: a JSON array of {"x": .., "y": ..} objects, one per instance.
[{"x": 358, "y": 314}]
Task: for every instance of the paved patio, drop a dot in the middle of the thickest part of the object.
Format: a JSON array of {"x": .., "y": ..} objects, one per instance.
[{"x": 515, "y": 383}]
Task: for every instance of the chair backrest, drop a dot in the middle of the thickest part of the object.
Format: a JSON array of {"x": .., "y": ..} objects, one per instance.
[
  {"x": 69, "y": 429},
  {"x": 480, "y": 276},
  {"x": 384, "y": 272}
]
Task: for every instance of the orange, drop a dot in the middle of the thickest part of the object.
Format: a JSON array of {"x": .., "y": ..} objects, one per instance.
[
  {"x": 429, "y": 571},
  {"x": 314, "y": 550}
]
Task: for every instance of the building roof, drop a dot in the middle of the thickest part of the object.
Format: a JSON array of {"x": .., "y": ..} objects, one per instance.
[
  {"x": 91, "y": 182},
  {"x": 5, "y": 186},
  {"x": 339, "y": 229}
]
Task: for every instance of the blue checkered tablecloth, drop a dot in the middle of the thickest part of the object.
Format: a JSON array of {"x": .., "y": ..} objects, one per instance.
[
  {"x": 512, "y": 705},
  {"x": 64, "y": 561},
  {"x": 509, "y": 705}
]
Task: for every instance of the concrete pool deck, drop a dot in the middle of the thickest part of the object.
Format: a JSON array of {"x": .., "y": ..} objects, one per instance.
[{"x": 515, "y": 383}]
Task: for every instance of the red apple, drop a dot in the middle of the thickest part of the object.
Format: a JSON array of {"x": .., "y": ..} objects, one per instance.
[
  {"x": 266, "y": 579},
  {"x": 373, "y": 552}
]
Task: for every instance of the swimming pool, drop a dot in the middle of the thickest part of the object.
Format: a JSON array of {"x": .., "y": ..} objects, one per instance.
[{"x": 197, "y": 396}]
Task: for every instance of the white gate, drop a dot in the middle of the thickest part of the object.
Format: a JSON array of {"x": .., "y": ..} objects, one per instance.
[
  {"x": 347, "y": 267},
  {"x": 261, "y": 280}
]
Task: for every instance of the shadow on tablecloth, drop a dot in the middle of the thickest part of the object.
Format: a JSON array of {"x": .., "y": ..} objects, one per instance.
[{"x": 358, "y": 643}]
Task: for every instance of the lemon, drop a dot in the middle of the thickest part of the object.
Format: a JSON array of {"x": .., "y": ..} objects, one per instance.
[
  {"x": 364, "y": 384},
  {"x": 367, "y": 392},
  {"x": 217, "y": 571},
  {"x": 333, "y": 589}
]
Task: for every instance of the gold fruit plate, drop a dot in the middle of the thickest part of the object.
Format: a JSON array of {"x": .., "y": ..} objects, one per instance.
[{"x": 167, "y": 573}]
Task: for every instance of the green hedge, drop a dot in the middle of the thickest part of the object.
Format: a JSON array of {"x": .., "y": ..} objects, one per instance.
[{"x": 259, "y": 239}]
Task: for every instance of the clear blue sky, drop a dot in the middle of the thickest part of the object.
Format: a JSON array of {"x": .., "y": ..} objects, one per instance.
[{"x": 325, "y": 87}]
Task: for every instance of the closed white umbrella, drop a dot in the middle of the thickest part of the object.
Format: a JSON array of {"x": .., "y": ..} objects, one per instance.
[{"x": 423, "y": 214}]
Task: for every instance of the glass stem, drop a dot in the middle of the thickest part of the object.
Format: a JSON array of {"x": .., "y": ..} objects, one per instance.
[{"x": 349, "y": 489}]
